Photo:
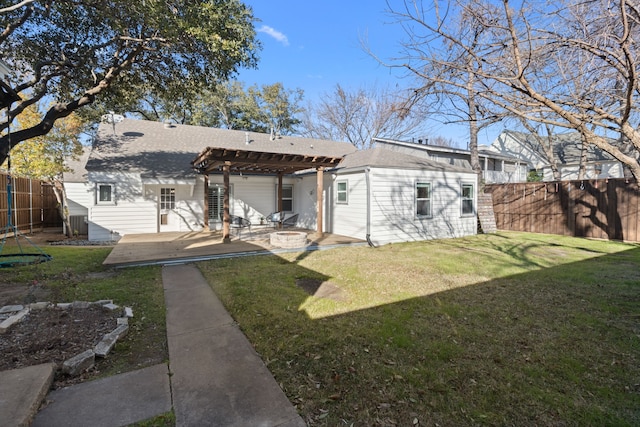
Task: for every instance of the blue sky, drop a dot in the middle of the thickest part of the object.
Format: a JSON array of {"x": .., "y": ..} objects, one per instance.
[{"x": 314, "y": 45}]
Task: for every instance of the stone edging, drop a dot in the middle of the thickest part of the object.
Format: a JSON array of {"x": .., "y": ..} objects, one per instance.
[{"x": 12, "y": 314}]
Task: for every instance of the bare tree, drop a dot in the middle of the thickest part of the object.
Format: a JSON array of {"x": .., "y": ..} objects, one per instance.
[
  {"x": 440, "y": 55},
  {"x": 570, "y": 64},
  {"x": 442, "y": 141},
  {"x": 359, "y": 116}
]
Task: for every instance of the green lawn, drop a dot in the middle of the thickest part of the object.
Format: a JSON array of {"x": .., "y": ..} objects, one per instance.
[{"x": 504, "y": 329}]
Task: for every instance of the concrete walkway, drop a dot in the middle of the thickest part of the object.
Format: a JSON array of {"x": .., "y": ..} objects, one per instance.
[
  {"x": 218, "y": 379},
  {"x": 215, "y": 377}
]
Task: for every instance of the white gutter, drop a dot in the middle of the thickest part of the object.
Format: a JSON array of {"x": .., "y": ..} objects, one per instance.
[{"x": 368, "y": 180}]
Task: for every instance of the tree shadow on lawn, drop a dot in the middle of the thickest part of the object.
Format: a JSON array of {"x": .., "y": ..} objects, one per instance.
[{"x": 553, "y": 346}]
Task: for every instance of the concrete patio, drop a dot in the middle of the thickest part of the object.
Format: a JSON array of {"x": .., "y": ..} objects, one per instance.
[{"x": 136, "y": 249}]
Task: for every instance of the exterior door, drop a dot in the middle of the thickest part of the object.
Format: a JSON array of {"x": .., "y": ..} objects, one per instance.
[{"x": 167, "y": 219}]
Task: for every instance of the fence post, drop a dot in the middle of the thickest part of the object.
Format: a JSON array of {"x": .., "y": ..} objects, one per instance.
[{"x": 31, "y": 206}]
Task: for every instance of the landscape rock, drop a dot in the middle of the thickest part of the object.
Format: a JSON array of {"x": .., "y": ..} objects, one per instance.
[
  {"x": 63, "y": 305},
  {"x": 109, "y": 340},
  {"x": 80, "y": 304},
  {"x": 11, "y": 308},
  {"x": 111, "y": 306},
  {"x": 39, "y": 305},
  {"x": 79, "y": 363},
  {"x": 128, "y": 312},
  {"x": 122, "y": 321},
  {"x": 103, "y": 302},
  {"x": 11, "y": 320}
]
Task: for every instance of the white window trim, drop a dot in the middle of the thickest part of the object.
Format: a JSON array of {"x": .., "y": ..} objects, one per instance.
[
  {"x": 346, "y": 192},
  {"x": 173, "y": 201},
  {"x": 473, "y": 199},
  {"x": 113, "y": 194},
  {"x": 293, "y": 208},
  {"x": 231, "y": 201},
  {"x": 415, "y": 203}
]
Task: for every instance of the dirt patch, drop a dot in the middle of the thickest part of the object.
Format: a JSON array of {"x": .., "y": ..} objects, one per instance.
[
  {"x": 55, "y": 335},
  {"x": 18, "y": 293}
]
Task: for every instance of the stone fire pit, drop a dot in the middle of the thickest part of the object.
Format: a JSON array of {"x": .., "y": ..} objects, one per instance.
[{"x": 288, "y": 239}]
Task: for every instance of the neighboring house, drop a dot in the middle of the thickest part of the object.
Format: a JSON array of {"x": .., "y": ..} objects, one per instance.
[
  {"x": 567, "y": 152},
  {"x": 496, "y": 167},
  {"x": 140, "y": 179}
]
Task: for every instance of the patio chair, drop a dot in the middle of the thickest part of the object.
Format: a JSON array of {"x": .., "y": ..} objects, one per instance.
[
  {"x": 238, "y": 223},
  {"x": 275, "y": 218},
  {"x": 290, "y": 221}
]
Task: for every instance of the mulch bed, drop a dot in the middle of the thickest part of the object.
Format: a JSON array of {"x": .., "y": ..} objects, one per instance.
[{"x": 54, "y": 335}]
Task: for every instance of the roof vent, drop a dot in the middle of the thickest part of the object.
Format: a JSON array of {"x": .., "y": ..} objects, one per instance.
[
  {"x": 168, "y": 124},
  {"x": 272, "y": 136},
  {"x": 113, "y": 119},
  {"x": 247, "y": 139}
]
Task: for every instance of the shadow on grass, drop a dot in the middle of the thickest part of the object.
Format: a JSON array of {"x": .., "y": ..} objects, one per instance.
[{"x": 556, "y": 343}]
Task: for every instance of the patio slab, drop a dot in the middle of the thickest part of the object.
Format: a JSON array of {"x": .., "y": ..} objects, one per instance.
[{"x": 175, "y": 246}]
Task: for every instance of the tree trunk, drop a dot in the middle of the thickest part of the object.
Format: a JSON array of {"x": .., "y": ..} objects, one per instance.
[
  {"x": 473, "y": 126},
  {"x": 61, "y": 198}
]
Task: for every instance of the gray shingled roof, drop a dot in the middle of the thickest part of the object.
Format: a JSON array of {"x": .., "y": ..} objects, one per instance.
[
  {"x": 384, "y": 158},
  {"x": 152, "y": 148},
  {"x": 429, "y": 148},
  {"x": 77, "y": 172}
]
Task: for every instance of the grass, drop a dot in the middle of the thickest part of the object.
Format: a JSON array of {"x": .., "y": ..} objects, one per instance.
[
  {"x": 77, "y": 274},
  {"x": 504, "y": 329}
]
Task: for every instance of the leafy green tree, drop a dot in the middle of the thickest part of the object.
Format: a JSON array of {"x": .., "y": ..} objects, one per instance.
[
  {"x": 226, "y": 105},
  {"x": 277, "y": 108},
  {"x": 258, "y": 108},
  {"x": 77, "y": 51},
  {"x": 43, "y": 157}
]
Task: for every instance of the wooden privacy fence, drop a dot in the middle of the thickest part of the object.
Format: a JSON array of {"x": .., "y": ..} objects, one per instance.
[
  {"x": 34, "y": 204},
  {"x": 605, "y": 209}
]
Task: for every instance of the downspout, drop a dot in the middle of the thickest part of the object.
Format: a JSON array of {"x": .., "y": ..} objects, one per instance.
[{"x": 368, "y": 181}]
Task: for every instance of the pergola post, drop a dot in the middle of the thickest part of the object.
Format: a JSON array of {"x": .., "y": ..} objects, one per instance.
[
  {"x": 226, "y": 218},
  {"x": 206, "y": 202},
  {"x": 279, "y": 209},
  {"x": 319, "y": 199}
]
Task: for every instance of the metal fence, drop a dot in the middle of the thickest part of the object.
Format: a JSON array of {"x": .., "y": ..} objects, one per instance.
[
  {"x": 605, "y": 209},
  {"x": 34, "y": 204}
]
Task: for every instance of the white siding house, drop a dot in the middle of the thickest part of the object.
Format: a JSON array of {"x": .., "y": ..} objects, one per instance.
[
  {"x": 139, "y": 179},
  {"x": 79, "y": 192},
  {"x": 385, "y": 196}
]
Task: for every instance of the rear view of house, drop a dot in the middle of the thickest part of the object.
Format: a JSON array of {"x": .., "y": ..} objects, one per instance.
[{"x": 149, "y": 177}]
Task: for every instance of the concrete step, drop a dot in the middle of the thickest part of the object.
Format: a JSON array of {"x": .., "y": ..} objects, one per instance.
[{"x": 22, "y": 391}]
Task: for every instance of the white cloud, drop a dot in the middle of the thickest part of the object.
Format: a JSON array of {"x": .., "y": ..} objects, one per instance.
[{"x": 275, "y": 34}]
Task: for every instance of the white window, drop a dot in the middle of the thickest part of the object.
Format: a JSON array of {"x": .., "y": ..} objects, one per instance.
[
  {"x": 423, "y": 199},
  {"x": 216, "y": 202},
  {"x": 467, "y": 199},
  {"x": 105, "y": 194},
  {"x": 167, "y": 198},
  {"x": 287, "y": 198},
  {"x": 342, "y": 193}
]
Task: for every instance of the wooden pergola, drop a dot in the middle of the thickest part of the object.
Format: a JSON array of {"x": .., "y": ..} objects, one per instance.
[{"x": 247, "y": 162}]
